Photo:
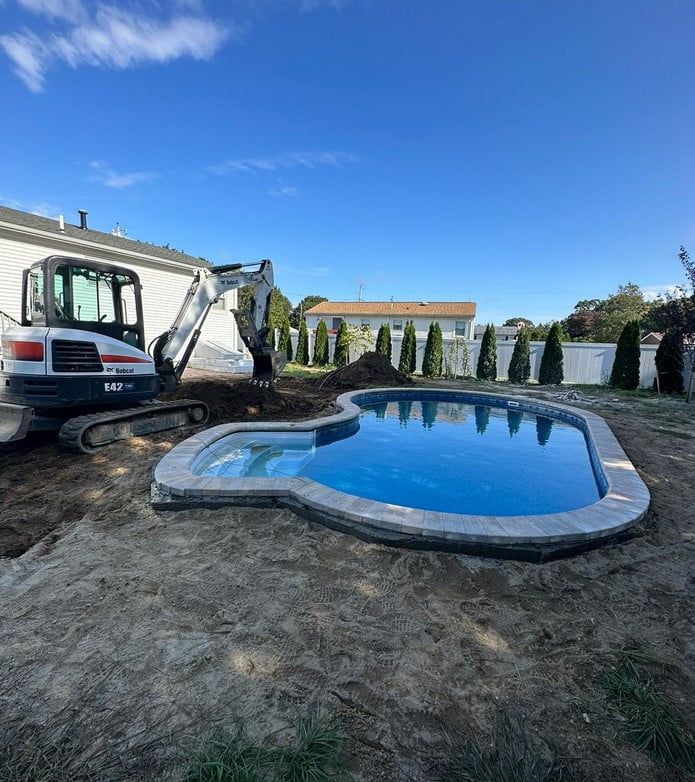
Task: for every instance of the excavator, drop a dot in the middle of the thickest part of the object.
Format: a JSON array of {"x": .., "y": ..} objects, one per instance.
[{"x": 77, "y": 362}]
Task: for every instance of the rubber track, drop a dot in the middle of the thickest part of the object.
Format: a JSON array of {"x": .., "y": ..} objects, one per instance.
[{"x": 72, "y": 433}]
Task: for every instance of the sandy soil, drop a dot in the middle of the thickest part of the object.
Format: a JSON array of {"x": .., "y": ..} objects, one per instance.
[{"x": 134, "y": 631}]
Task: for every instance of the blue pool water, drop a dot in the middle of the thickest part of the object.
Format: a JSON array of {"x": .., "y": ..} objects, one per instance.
[{"x": 437, "y": 455}]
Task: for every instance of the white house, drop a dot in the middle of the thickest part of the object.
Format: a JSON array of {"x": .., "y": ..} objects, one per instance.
[
  {"x": 165, "y": 274},
  {"x": 456, "y": 318},
  {"x": 502, "y": 333}
]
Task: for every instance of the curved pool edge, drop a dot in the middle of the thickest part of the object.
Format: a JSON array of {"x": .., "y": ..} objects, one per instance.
[{"x": 624, "y": 503}]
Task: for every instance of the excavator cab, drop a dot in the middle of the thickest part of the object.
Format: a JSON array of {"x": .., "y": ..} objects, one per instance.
[{"x": 60, "y": 292}]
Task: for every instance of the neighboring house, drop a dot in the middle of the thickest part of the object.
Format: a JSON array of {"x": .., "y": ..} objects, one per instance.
[
  {"x": 165, "y": 274},
  {"x": 653, "y": 338},
  {"x": 456, "y": 318},
  {"x": 503, "y": 333}
]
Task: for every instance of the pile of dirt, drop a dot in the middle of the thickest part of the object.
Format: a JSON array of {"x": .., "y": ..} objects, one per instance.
[
  {"x": 240, "y": 400},
  {"x": 371, "y": 369}
]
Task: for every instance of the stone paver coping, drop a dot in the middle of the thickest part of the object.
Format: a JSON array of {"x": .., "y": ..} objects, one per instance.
[{"x": 624, "y": 500}]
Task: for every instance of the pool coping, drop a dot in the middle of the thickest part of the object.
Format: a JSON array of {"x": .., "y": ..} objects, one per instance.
[{"x": 624, "y": 503}]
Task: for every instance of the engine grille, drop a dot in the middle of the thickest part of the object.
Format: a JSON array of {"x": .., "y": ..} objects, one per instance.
[
  {"x": 40, "y": 387},
  {"x": 74, "y": 356}
]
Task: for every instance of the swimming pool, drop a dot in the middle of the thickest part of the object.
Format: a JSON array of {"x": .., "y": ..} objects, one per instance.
[
  {"x": 425, "y": 468},
  {"x": 436, "y": 454}
]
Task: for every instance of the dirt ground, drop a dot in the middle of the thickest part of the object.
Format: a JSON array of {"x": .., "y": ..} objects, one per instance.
[{"x": 134, "y": 631}]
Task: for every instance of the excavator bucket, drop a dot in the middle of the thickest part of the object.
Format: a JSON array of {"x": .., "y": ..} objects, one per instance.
[
  {"x": 267, "y": 365},
  {"x": 14, "y": 421}
]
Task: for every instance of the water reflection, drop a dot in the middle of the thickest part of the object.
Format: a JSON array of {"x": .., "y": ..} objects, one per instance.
[
  {"x": 514, "y": 421},
  {"x": 482, "y": 418},
  {"x": 404, "y": 412},
  {"x": 544, "y": 426},
  {"x": 429, "y": 414},
  {"x": 380, "y": 410}
]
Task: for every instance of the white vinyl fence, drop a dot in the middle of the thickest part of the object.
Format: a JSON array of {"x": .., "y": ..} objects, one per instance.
[{"x": 584, "y": 362}]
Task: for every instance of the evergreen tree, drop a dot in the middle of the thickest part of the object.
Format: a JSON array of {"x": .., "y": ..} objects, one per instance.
[
  {"x": 520, "y": 365},
  {"x": 669, "y": 363},
  {"x": 321, "y": 345},
  {"x": 303, "y": 345},
  {"x": 383, "y": 341},
  {"x": 341, "y": 355},
  {"x": 406, "y": 361},
  {"x": 625, "y": 372},
  {"x": 551, "y": 371},
  {"x": 412, "y": 350},
  {"x": 487, "y": 360},
  {"x": 432, "y": 361},
  {"x": 284, "y": 341}
]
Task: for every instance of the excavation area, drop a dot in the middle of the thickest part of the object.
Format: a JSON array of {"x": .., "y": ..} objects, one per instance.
[{"x": 129, "y": 635}]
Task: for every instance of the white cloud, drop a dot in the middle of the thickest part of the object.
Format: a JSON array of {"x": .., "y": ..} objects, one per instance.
[
  {"x": 56, "y": 9},
  {"x": 40, "y": 208},
  {"x": 113, "y": 38},
  {"x": 107, "y": 176},
  {"x": 290, "y": 160},
  {"x": 653, "y": 292},
  {"x": 284, "y": 191},
  {"x": 311, "y": 5}
]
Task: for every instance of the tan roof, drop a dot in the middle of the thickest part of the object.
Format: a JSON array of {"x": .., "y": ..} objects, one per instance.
[{"x": 410, "y": 309}]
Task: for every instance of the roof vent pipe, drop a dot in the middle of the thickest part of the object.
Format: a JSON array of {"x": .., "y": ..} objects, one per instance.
[
  {"x": 83, "y": 218},
  {"x": 61, "y": 224}
]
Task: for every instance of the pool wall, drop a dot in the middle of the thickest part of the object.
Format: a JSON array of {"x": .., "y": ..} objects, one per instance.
[{"x": 534, "y": 537}]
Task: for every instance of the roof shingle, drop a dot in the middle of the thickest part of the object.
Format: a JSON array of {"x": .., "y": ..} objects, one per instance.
[{"x": 28, "y": 220}]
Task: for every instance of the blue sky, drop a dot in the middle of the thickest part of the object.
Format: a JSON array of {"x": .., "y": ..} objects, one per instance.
[{"x": 521, "y": 154}]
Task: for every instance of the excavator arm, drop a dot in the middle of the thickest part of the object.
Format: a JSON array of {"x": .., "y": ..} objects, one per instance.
[{"x": 173, "y": 349}]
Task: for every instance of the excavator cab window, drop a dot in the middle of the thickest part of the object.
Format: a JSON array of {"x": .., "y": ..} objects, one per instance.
[{"x": 36, "y": 311}]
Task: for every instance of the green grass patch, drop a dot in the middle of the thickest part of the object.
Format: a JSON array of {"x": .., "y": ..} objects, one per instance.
[
  {"x": 304, "y": 372},
  {"x": 315, "y": 756},
  {"x": 510, "y": 755},
  {"x": 652, "y": 724}
]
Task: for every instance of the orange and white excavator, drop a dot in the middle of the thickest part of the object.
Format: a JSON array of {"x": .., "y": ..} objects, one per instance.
[{"x": 77, "y": 362}]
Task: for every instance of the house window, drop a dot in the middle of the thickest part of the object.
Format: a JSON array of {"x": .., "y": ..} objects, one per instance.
[
  {"x": 398, "y": 325},
  {"x": 336, "y": 323},
  {"x": 366, "y": 323},
  {"x": 460, "y": 330}
]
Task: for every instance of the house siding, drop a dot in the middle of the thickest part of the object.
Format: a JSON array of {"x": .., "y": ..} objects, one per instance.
[{"x": 164, "y": 283}]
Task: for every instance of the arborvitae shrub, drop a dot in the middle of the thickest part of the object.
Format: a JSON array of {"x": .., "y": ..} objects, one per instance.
[
  {"x": 551, "y": 371},
  {"x": 487, "y": 360},
  {"x": 520, "y": 365},
  {"x": 383, "y": 341},
  {"x": 413, "y": 348},
  {"x": 321, "y": 345},
  {"x": 432, "y": 360},
  {"x": 625, "y": 372},
  {"x": 284, "y": 341},
  {"x": 341, "y": 355},
  {"x": 303, "y": 344},
  {"x": 406, "y": 361},
  {"x": 669, "y": 363}
]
